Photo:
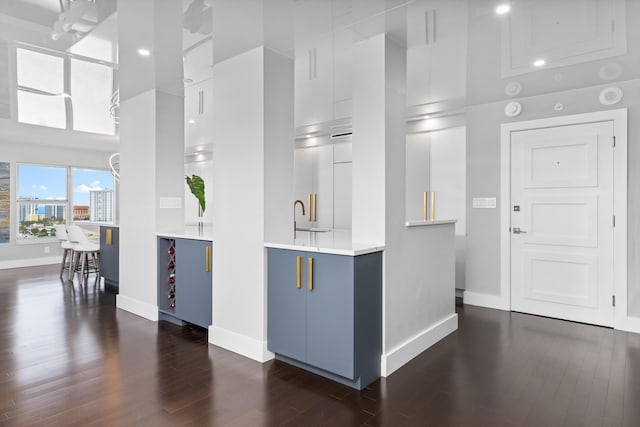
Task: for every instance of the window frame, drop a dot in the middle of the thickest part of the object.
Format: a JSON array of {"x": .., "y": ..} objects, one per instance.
[{"x": 68, "y": 100}]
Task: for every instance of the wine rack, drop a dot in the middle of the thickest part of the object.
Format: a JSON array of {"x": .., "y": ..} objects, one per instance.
[
  {"x": 167, "y": 275},
  {"x": 171, "y": 274}
]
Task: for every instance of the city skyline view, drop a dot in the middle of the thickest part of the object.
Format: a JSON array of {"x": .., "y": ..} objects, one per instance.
[{"x": 50, "y": 183}]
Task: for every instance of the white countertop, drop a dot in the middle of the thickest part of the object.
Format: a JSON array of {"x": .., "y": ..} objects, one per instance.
[
  {"x": 337, "y": 242},
  {"x": 422, "y": 223},
  {"x": 190, "y": 232}
]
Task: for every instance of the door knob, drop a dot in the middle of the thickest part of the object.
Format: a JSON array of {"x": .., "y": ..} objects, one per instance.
[{"x": 516, "y": 230}]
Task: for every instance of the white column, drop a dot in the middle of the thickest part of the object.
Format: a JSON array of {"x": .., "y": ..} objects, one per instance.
[
  {"x": 418, "y": 282},
  {"x": 253, "y": 190},
  {"x": 151, "y": 144}
]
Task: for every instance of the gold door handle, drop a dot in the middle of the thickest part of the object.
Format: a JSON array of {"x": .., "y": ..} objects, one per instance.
[
  {"x": 424, "y": 205},
  {"x": 109, "y": 236},
  {"x": 310, "y": 273},
  {"x": 310, "y": 208},
  {"x": 315, "y": 204},
  {"x": 207, "y": 262},
  {"x": 298, "y": 272}
]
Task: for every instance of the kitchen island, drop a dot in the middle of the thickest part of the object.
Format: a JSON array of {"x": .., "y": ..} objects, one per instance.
[{"x": 325, "y": 305}]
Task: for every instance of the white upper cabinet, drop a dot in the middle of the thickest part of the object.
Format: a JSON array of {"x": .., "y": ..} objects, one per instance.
[
  {"x": 313, "y": 185},
  {"x": 436, "y": 51},
  {"x": 323, "y": 62},
  {"x": 314, "y": 82},
  {"x": 197, "y": 114},
  {"x": 342, "y": 74}
]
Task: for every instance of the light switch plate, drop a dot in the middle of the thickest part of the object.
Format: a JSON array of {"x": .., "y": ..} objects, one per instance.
[
  {"x": 484, "y": 202},
  {"x": 170, "y": 203}
]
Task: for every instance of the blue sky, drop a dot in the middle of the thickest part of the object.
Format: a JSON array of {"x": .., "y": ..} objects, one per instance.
[{"x": 50, "y": 182}]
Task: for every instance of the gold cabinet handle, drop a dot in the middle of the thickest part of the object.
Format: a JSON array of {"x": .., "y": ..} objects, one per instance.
[
  {"x": 310, "y": 208},
  {"x": 298, "y": 272},
  {"x": 424, "y": 205},
  {"x": 109, "y": 236},
  {"x": 207, "y": 262},
  {"x": 315, "y": 204},
  {"x": 433, "y": 205},
  {"x": 310, "y": 273}
]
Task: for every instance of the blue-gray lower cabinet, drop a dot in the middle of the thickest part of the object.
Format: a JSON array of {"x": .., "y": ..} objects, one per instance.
[
  {"x": 110, "y": 255},
  {"x": 184, "y": 280},
  {"x": 325, "y": 313}
]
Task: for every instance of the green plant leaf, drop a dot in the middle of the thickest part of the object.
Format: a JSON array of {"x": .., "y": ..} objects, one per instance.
[{"x": 196, "y": 185}]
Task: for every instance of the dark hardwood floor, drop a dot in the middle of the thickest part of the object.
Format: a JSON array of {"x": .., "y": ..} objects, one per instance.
[{"x": 69, "y": 358}]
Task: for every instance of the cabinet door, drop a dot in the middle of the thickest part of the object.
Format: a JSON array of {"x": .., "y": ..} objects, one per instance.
[
  {"x": 323, "y": 186},
  {"x": 330, "y": 313},
  {"x": 313, "y": 82},
  {"x": 313, "y": 172},
  {"x": 286, "y": 309},
  {"x": 436, "y": 51},
  {"x": 193, "y": 281},
  {"x": 303, "y": 159},
  {"x": 417, "y": 178},
  {"x": 109, "y": 254},
  {"x": 197, "y": 113}
]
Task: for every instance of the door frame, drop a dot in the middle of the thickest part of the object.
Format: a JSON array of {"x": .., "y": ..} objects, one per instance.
[{"x": 619, "y": 118}]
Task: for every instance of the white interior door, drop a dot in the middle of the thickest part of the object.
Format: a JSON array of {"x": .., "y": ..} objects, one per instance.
[{"x": 562, "y": 222}]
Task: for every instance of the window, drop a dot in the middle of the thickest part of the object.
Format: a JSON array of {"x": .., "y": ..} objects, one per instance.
[
  {"x": 60, "y": 91},
  {"x": 43, "y": 199},
  {"x": 93, "y": 196},
  {"x": 40, "y": 100}
]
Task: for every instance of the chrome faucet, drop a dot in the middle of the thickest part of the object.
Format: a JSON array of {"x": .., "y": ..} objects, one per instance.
[{"x": 295, "y": 227}]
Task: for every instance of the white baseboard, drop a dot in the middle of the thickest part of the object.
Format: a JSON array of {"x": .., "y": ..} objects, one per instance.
[
  {"x": 485, "y": 300},
  {"x": 139, "y": 308},
  {"x": 629, "y": 324},
  {"x": 459, "y": 293},
  {"x": 396, "y": 358},
  {"x": 241, "y": 344},
  {"x": 30, "y": 262}
]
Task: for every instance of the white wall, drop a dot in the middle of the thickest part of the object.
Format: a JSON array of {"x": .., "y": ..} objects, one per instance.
[{"x": 577, "y": 87}]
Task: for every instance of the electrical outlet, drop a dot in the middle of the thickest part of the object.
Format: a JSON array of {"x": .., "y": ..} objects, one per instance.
[{"x": 46, "y": 249}]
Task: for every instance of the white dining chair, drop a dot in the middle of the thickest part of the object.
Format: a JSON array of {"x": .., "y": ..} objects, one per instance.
[
  {"x": 67, "y": 254},
  {"x": 86, "y": 254}
]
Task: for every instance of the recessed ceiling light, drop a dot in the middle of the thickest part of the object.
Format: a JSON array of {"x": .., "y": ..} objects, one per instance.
[
  {"x": 539, "y": 62},
  {"x": 503, "y": 8},
  {"x": 144, "y": 52},
  {"x": 307, "y": 136},
  {"x": 187, "y": 80},
  {"x": 65, "y": 95},
  {"x": 427, "y": 117},
  {"x": 191, "y": 121}
]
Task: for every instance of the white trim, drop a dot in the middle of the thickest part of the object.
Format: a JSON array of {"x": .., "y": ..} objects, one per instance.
[
  {"x": 139, "y": 308},
  {"x": 485, "y": 300},
  {"x": 619, "y": 118},
  {"x": 415, "y": 345},
  {"x": 241, "y": 344},
  {"x": 629, "y": 324},
  {"x": 30, "y": 262}
]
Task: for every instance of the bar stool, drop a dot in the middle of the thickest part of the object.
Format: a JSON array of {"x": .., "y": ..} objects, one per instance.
[
  {"x": 67, "y": 254},
  {"x": 86, "y": 253}
]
